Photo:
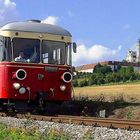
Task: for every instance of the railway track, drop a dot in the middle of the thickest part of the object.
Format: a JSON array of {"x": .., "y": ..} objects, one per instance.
[{"x": 92, "y": 121}]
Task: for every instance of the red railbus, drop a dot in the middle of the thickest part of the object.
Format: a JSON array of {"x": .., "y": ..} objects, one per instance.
[{"x": 35, "y": 64}]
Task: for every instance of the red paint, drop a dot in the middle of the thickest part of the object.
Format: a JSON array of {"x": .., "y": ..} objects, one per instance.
[{"x": 50, "y": 84}]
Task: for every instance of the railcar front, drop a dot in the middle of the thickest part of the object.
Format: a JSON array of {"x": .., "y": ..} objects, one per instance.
[{"x": 35, "y": 64}]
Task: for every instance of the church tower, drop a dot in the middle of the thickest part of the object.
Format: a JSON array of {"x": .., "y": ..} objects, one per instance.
[{"x": 138, "y": 50}]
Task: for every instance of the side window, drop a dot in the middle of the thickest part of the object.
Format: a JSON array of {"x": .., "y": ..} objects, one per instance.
[
  {"x": 7, "y": 49},
  {"x": 69, "y": 53},
  {"x": 1, "y": 48}
]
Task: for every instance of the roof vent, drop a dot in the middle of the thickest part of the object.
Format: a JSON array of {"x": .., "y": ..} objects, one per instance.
[{"x": 34, "y": 20}]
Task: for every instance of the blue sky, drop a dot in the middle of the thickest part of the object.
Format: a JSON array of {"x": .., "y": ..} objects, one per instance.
[{"x": 103, "y": 29}]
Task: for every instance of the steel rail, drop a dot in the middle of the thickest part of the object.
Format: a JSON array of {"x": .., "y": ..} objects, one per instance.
[{"x": 90, "y": 121}]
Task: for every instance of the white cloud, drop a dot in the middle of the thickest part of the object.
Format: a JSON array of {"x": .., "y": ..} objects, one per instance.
[
  {"x": 51, "y": 20},
  {"x": 93, "y": 54},
  {"x": 8, "y": 11}
]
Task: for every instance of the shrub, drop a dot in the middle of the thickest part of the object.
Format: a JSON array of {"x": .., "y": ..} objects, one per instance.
[
  {"x": 75, "y": 83},
  {"x": 92, "y": 79},
  {"x": 83, "y": 83}
]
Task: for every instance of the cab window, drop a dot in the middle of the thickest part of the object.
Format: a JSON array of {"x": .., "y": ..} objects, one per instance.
[
  {"x": 53, "y": 52},
  {"x": 26, "y": 50}
]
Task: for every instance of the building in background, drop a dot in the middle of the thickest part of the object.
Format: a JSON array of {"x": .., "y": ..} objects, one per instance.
[
  {"x": 138, "y": 50},
  {"x": 131, "y": 56},
  {"x": 132, "y": 59},
  {"x": 113, "y": 64},
  {"x": 134, "y": 56},
  {"x": 85, "y": 68}
]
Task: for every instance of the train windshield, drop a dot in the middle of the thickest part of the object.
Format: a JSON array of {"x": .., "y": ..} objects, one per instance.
[
  {"x": 26, "y": 50},
  {"x": 53, "y": 52}
]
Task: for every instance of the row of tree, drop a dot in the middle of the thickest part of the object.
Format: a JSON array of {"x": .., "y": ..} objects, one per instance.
[{"x": 103, "y": 74}]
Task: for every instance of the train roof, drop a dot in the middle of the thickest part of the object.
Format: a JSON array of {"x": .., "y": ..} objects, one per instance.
[{"x": 35, "y": 27}]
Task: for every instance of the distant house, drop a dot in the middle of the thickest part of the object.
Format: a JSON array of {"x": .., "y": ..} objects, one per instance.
[
  {"x": 86, "y": 68},
  {"x": 113, "y": 64}
]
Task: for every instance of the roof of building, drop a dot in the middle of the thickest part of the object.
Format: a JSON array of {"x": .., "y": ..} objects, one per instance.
[
  {"x": 121, "y": 63},
  {"x": 85, "y": 67},
  {"x": 33, "y": 26}
]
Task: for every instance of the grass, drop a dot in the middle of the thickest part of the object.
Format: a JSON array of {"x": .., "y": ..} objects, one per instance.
[
  {"x": 12, "y": 133},
  {"x": 129, "y": 91},
  {"x": 15, "y": 133},
  {"x": 117, "y": 108},
  {"x": 120, "y": 101}
]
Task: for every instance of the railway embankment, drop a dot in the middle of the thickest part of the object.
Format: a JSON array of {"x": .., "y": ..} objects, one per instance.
[
  {"x": 45, "y": 129},
  {"x": 119, "y": 101}
]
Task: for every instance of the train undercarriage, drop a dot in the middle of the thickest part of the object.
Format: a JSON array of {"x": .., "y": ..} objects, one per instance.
[{"x": 33, "y": 106}]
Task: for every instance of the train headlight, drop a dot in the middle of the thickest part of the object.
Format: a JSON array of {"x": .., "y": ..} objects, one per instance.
[
  {"x": 22, "y": 90},
  {"x": 21, "y": 74},
  {"x": 67, "y": 77},
  {"x": 16, "y": 85},
  {"x": 62, "y": 87}
]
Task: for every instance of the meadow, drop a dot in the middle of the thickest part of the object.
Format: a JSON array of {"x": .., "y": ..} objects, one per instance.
[{"x": 129, "y": 92}]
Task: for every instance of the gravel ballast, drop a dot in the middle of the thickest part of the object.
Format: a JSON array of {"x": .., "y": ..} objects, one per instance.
[{"x": 76, "y": 132}]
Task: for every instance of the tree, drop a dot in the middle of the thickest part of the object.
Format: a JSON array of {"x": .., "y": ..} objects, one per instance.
[
  {"x": 104, "y": 69},
  {"x": 100, "y": 78},
  {"x": 75, "y": 83},
  {"x": 92, "y": 79},
  {"x": 130, "y": 69}
]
